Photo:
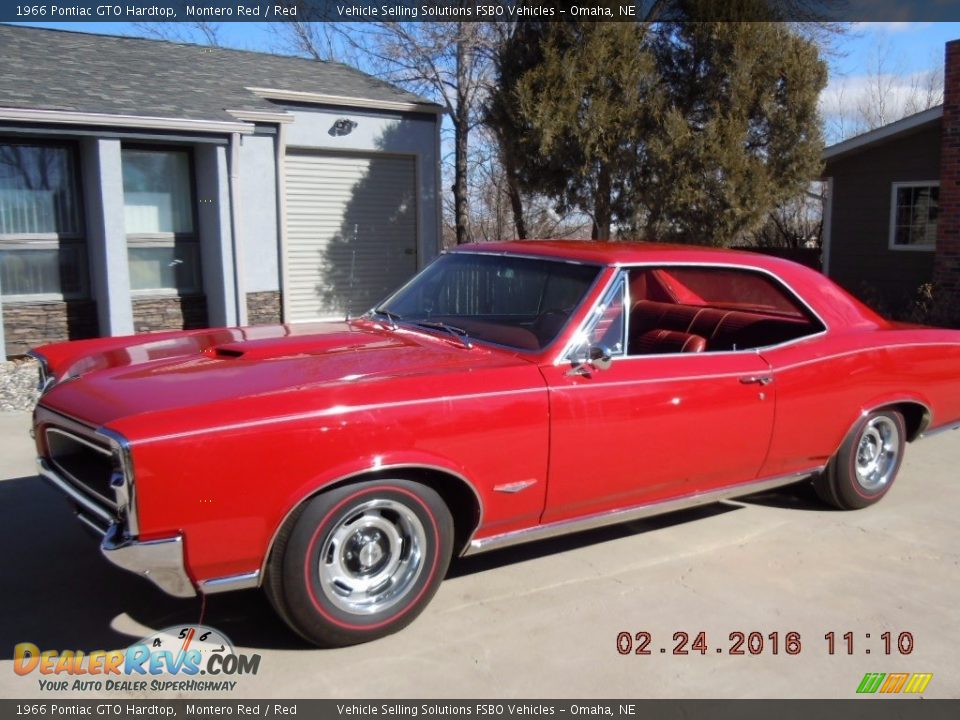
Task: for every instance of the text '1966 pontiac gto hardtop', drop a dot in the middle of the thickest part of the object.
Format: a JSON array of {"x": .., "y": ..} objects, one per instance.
[{"x": 510, "y": 392}]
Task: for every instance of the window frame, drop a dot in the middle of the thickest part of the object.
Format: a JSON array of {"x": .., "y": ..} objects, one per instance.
[
  {"x": 621, "y": 277},
  {"x": 892, "y": 229},
  {"x": 544, "y": 351},
  {"x": 168, "y": 240},
  {"x": 52, "y": 241},
  {"x": 568, "y": 354}
]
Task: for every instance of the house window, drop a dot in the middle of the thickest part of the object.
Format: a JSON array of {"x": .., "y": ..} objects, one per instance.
[
  {"x": 162, "y": 244},
  {"x": 913, "y": 215},
  {"x": 42, "y": 253}
]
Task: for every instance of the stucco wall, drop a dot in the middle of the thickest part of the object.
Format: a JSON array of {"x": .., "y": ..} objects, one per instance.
[
  {"x": 257, "y": 225},
  {"x": 213, "y": 229},
  {"x": 102, "y": 173}
]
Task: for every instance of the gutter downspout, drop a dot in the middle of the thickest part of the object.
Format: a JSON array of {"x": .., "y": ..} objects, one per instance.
[
  {"x": 280, "y": 157},
  {"x": 240, "y": 295}
]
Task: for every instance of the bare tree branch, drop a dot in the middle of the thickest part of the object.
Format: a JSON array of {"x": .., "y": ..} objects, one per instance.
[
  {"x": 447, "y": 62},
  {"x": 194, "y": 33}
]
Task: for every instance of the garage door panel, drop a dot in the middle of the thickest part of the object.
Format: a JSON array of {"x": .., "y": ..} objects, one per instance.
[{"x": 351, "y": 231}]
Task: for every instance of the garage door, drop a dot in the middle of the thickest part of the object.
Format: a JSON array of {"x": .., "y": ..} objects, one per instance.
[{"x": 351, "y": 231}]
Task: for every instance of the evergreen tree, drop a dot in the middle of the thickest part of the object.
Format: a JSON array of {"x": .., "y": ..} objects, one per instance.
[
  {"x": 566, "y": 114},
  {"x": 737, "y": 132},
  {"x": 671, "y": 131}
]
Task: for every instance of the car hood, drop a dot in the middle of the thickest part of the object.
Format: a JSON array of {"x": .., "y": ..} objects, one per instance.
[{"x": 190, "y": 369}]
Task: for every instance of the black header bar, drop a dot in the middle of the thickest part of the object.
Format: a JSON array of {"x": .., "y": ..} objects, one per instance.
[
  {"x": 113, "y": 708},
  {"x": 475, "y": 10}
]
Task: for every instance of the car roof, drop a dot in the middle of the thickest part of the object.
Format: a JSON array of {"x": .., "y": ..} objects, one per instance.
[
  {"x": 832, "y": 304},
  {"x": 620, "y": 253}
]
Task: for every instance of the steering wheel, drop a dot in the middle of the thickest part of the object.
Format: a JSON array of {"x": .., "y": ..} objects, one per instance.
[{"x": 548, "y": 324}]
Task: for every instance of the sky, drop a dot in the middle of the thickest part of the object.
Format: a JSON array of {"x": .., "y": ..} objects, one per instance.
[
  {"x": 902, "y": 53},
  {"x": 899, "y": 61}
]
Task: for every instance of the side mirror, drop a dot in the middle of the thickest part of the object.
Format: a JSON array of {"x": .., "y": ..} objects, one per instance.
[
  {"x": 596, "y": 357},
  {"x": 600, "y": 357}
]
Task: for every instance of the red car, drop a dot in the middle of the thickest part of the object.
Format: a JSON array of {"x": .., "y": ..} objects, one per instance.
[{"x": 509, "y": 392}]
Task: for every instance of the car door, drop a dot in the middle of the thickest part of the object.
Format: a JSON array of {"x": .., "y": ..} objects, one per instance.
[{"x": 651, "y": 427}]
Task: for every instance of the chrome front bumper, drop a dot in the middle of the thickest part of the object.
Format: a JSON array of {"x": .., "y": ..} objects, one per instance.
[{"x": 160, "y": 561}]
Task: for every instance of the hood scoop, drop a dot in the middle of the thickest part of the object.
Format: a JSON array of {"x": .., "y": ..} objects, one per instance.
[
  {"x": 290, "y": 346},
  {"x": 263, "y": 349}
]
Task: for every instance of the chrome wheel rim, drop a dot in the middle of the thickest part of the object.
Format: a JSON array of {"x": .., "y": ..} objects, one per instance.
[
  {"x": 373, "y": 557},
  {"x": 877, "y": 453}
]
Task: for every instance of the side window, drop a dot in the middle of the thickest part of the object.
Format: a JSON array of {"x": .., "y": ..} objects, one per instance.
[
  {"x": 607, "y": 325},
  {"x": 688, "y": 309}
]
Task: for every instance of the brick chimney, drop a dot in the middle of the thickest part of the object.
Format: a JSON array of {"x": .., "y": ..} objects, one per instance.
[{"x": 946, "y": 271}]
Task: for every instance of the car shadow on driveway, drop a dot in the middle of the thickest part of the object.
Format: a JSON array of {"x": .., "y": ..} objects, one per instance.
[
  {"x": 563, "y": 543},
  {"x": 62, "y": 594},
  {"x": 799, "y": 496}
]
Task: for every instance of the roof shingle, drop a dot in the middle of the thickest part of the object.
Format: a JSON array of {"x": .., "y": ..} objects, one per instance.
[{"x": 47, "y": 69}]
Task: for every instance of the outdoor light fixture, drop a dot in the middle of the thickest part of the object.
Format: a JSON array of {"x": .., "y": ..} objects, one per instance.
[{"x": 343, "y": 126}]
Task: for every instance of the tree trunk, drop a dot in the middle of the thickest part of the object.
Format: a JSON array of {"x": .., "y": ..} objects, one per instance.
[
  {"x": 602, "y": 213},
  {"x": 461, "y": 126},
  {"x": 516, "y": 205},
  {"x": 513, "y": 192}
]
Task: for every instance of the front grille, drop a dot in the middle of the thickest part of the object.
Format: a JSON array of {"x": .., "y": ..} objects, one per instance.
[{"x": 86, "y": 465}]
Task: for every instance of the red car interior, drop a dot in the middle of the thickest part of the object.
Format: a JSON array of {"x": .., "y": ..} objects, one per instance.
[
  {"x": 654, "y": 342},
  {"x": 719, "y": 329},
  {"x": 669, "y": 316}
]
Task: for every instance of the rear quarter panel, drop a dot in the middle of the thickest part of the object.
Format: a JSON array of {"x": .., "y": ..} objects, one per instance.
[{"x": 823, "y": 385}]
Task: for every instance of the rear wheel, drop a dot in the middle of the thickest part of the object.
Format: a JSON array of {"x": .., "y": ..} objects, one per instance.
[
  {"x": 361, "y": 561},
  {"x": 867, "y": 463}
]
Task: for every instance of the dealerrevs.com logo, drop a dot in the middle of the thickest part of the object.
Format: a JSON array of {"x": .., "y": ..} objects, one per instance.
[
  {"x": 186, "y": 658},
  {"x": 894, "y": 683}
]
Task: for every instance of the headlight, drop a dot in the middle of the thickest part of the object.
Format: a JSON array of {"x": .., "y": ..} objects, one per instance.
[
  {"x": 121, "y": 478},
  {"x": 46, "y": 379}
]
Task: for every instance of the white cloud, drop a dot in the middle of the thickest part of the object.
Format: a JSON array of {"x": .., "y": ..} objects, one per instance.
[
  {"x": 889, "y": 27},
  {"x": 855, "y": 104}
]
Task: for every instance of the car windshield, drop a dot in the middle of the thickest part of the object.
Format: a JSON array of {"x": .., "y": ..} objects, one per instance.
[{"x": 518, "y": 302}]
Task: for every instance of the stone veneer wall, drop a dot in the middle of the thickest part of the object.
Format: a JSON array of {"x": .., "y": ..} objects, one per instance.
[
  {"x": 184, "y": 312},
  {"x": 27, "y": 324},
  {"x": 264, "y": 308}
]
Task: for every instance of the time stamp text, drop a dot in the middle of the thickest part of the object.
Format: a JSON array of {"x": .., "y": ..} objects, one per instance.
[{"x": 754, "y": 642}]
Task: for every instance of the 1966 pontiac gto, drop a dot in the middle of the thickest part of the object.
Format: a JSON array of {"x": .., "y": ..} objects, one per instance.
[{"x": 510, "y": 392}]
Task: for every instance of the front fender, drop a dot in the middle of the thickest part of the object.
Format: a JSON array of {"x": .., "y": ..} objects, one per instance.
[
  {"x": 229, "y": 490},
  {"x": 380, "y": 462}
]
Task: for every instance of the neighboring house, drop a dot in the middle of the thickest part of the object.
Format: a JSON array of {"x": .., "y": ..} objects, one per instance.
[
  {"x": 891, "y": 220},
  {"x": 148, "y": 185}
]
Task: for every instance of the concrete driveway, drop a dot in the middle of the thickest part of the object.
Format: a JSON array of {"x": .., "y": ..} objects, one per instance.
[{"x": 543, "y": 620}]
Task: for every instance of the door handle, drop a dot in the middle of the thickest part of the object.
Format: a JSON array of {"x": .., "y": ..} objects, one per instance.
[{"x": 756, "y": 380}]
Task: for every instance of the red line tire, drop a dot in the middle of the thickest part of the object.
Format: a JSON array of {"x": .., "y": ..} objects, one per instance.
[
  {"x": 361, "y": 561},
  {"x": 865, "y": 467}
]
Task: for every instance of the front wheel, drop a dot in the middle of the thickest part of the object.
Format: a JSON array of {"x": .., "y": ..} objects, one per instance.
[
  {"x": 867, "y": 463},
  {"x": 361, "y": 561}
]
